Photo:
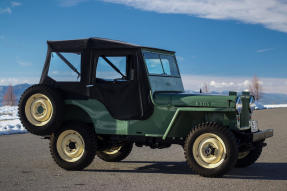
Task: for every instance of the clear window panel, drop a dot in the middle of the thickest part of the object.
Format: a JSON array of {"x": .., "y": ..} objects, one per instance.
[
  {"x": 161, "y": 64},
  {"x": 105, "y": 71},
  {"x": 153, "y": 63},
  {"x": 60, "y": 71},
  {"x": 169, "y": 65},
  {"x": 166, "y": 66}
]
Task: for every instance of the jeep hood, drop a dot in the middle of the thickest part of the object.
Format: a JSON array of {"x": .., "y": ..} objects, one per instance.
[{"x": 194, "y": 100}]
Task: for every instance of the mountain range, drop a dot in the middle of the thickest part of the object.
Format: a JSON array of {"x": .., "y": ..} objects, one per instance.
[{"x": 267, "y": 98}]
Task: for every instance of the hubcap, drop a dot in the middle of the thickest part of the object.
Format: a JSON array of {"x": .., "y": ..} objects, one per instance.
[
  {"x": 242, "y": 155},
  {"x": 112, "y": 150},
  {"x": 38, "y": 109},
  {"x": 70, "y": 145},
  {"x": 209, "y": 150}
]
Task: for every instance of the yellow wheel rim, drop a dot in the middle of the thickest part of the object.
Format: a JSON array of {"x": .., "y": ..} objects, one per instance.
[
  {"x": 70, "y": 146},
  {"x": 112, "y": 150},
  {"x": 209, "y": 150},
  {"x": 241, "y": 155},
  {"x": 38, "y": 109}
]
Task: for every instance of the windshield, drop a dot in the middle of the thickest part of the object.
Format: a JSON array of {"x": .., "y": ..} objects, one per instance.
[{"x": 161, "y": 64}]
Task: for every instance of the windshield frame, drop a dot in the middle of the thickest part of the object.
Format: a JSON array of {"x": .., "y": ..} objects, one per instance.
[{"x": 159, "y": 52}]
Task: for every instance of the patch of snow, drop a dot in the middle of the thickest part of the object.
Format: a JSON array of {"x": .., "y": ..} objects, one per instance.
[
  {"x": 9, "y": 121},
  {"x": 272, "y": 106},
  {"x": 259, "y": 106},
  {"x": 275, "y": 106}
]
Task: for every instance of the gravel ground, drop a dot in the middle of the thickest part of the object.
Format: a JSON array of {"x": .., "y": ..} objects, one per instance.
[{"x": 26, "y": 164}]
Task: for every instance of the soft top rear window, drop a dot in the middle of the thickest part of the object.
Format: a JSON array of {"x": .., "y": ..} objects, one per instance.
[{"x": 65, "y": 66}]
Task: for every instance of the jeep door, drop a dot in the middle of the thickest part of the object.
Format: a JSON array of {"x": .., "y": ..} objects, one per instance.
[{"x": 115, "y": 84}]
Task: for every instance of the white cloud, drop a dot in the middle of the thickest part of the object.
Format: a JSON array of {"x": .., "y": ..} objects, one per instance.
[
  {"x": 15, "y": 4},
  {"x": 264, "y": 50},
  {"x": 6, "y": 81},
  {"x": 246, "y": 83},
  {"x": 24, "y": 63},
  {"x": 221, "y": 84},
  {"x": 71, "y": 3},
  {"x": 7, "y": 10},
  {"x": 14, "y": 81},
  {"x": 271, "y": 13},
  {"x": 269, "y": 85}
]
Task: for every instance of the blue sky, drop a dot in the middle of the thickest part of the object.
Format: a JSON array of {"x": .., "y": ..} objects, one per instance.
[{"x": 222, "y": 43}]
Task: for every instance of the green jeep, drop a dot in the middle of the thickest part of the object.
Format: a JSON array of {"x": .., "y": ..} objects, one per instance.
[{"x": 100, "y": 97}]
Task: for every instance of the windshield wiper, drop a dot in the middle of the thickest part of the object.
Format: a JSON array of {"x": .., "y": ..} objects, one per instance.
[
  {"x": 113, "y": 66},
  {"x": 69, "y": 64}
]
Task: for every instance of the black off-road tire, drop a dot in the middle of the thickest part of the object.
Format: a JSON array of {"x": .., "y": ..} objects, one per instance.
[
  {"x": 58, "y": 109},
  {"x": 89, "y": 136},
  {"x": 251, "y": 158},
  {"x": 229, "y": 141},
  {"x": 123, "y": 153}
]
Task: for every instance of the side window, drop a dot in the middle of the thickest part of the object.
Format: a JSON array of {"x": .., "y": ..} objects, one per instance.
[
  {"x": 111, "y": 67},
  {"x": 65, "y": 67}
]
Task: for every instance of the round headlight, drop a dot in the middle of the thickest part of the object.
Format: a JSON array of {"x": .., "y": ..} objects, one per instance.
[
  {"x": 238, "y": 105},
  {"x": 252, "y": 104}
]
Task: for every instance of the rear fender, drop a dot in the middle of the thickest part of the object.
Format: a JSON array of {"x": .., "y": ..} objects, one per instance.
[{"x": 75, "y": 113}]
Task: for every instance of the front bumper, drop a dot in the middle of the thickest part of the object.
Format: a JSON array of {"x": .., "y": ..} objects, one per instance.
[{"x": 261, "y": 135}]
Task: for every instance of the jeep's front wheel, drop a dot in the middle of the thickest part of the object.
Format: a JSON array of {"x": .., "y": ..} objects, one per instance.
[
  {"x": 73, "y": 147},
  {"x": 116, "y": 153},
  {"x": 210, "y": 150}
]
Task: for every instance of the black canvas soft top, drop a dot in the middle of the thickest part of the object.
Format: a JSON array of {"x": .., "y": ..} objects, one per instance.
[{"x": 97, "y": 43}]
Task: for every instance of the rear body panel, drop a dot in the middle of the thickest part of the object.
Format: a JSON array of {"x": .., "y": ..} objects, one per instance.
[{"x": 104, "y": 123}]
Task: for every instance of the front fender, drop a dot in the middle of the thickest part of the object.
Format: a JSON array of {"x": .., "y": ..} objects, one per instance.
[{"x": 186, "y": 118}]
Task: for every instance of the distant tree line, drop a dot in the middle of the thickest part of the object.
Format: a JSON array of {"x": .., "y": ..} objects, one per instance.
[
  {"x": 9, "y": 97},
  {"x": 255, "y": 88}
]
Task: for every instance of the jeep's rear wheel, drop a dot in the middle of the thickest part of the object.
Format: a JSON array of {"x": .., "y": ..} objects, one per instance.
[
  {"x": 73, "y": 147},
  {"x": 210, "y": 150},
  {"x": 116, "y": 153},
  {"x": 41, "y": 109},
  {"x": 247, "y": 158}
]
